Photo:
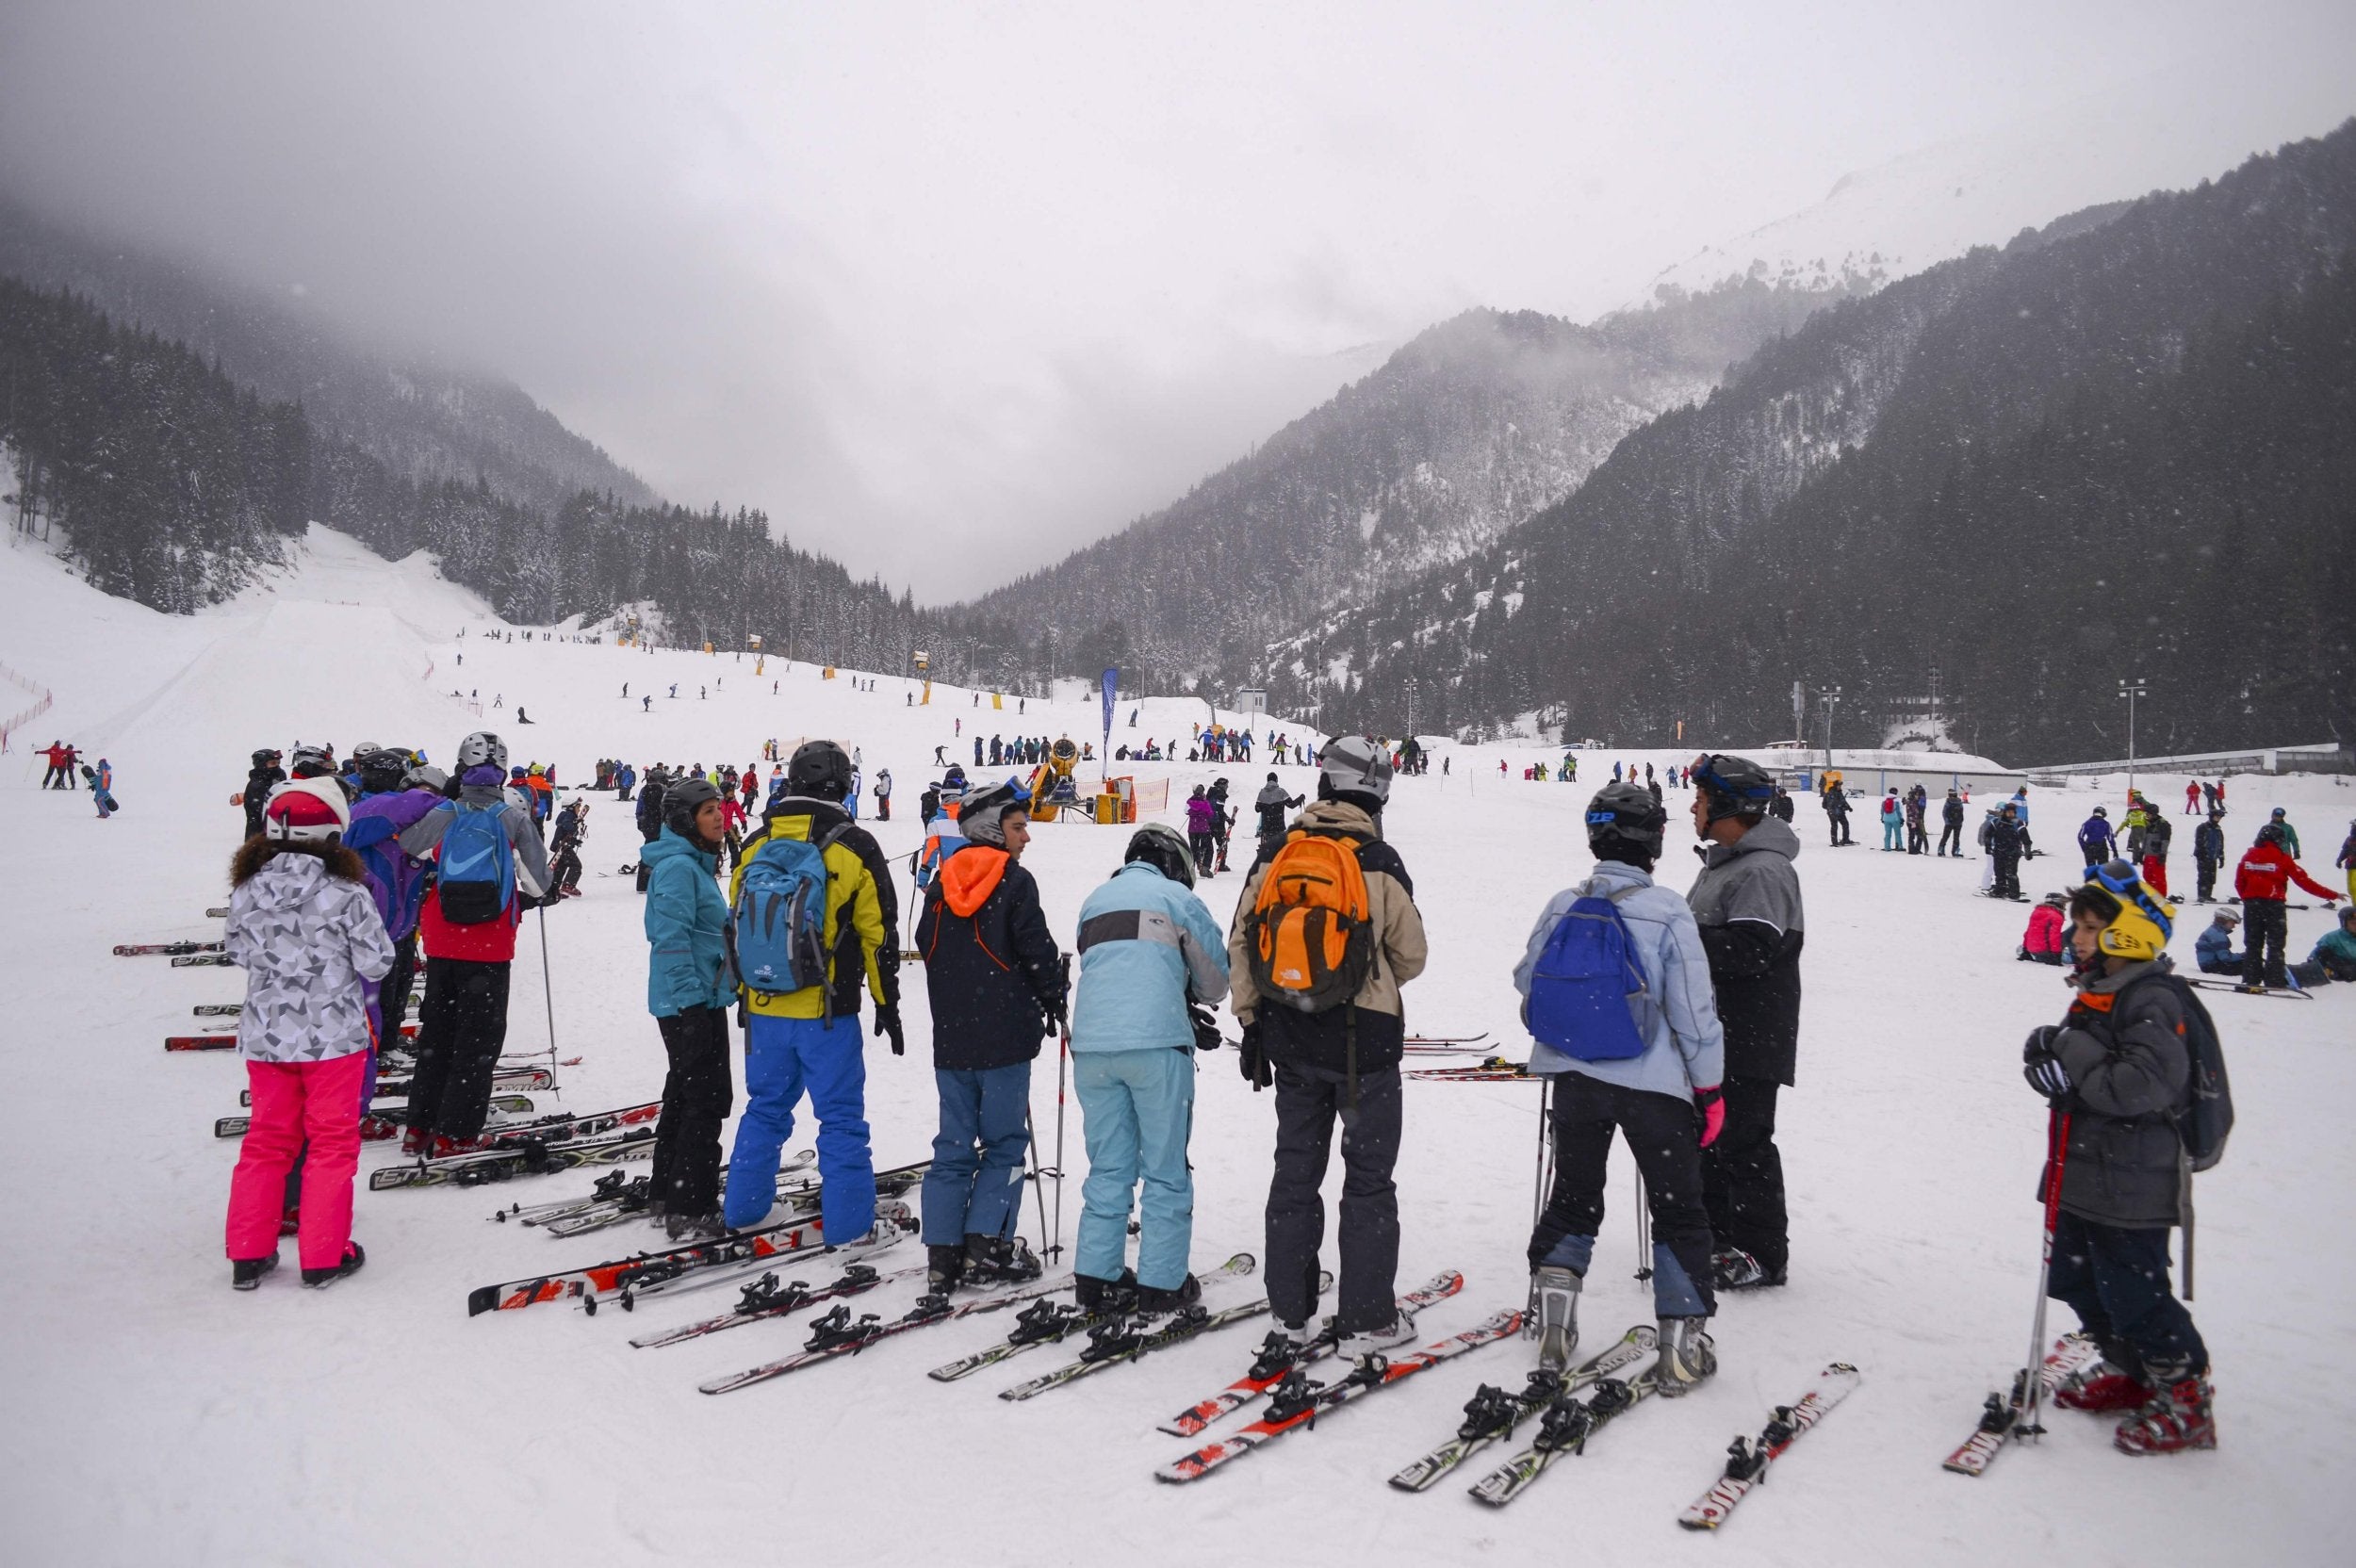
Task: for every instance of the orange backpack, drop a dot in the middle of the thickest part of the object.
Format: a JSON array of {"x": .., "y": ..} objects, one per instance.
[{"x": 1310, "y": 941}]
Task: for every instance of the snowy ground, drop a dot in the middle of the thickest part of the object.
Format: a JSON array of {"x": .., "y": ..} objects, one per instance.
[{"x": 159, "y": 1417}]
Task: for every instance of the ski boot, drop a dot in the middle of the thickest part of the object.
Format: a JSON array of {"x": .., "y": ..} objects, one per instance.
[
  {"x": 246, "y": 1273},
  {"x": 2178, "y": 1420},
  {"x": 685, "y": 1229},
  {"x": 416, "y": 1141},
  {"x": 1688, "y": 1359},
  {"x": 1104, "y": 1298},
  {"x": 1373, "y": 1342},
  {"x": 1738, "y": 1270},
  {"x": 944, "y": 1269},
  {"x": 2106, "y": 1388},
  {"x": 1284, "y": 1346},
  {"x": 313, "y": 1279},
  {"x": 1185, "y": 1293},
  {"x": 998, "y": 1260},
  {"x": 1553, "y": 1318}
]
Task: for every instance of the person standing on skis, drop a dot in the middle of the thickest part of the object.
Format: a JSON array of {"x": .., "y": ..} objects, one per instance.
[
  {"x": 808, "y": 1040},
  {"x": 467, "y": 926},
  {"x": 1152, "y": 963},
  {"x": 305, "y": 930},
  {"x": 1651, "y": 1071},
  {"x": 688, "y": 993},
  {"x": 2116, "y": 1072},
  {"x": 1333, "y": 1061},
  {"x": 1747, "y": 903},
  {"x": 996, "y": 982}
]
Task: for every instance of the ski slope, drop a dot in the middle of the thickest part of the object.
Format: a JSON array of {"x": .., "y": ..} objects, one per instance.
[{"x": 155, "y": 1416}]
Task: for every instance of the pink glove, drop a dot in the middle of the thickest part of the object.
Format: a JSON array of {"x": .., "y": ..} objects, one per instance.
[{"x": 1712, "y": 1106}]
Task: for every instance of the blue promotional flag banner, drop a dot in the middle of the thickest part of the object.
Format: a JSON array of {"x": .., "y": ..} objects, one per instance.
[{"x": 1112, "y": 690}]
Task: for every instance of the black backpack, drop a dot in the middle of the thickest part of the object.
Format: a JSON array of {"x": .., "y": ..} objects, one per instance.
[{"x": 2207, "y": 1116}]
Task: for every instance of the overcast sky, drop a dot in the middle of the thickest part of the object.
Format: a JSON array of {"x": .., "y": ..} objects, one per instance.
[{"x": 949, "y": 289}]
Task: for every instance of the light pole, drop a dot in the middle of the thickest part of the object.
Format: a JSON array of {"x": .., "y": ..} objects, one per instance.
[
  {"x": 2131, "y": 690},
  {"x": 1830, "y": 698}
]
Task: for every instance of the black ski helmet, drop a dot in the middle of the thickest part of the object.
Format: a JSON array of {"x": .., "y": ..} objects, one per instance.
[
  {"x": 265, "y": 758},
  {"x": 681, "y": 804},
  {"x": 1158, "y": 845},
  {"x": 1624, "y": 821},
  {"x": 382, "y": 769},
  {"x": 821, "y": 770},
  {"x": 1737, "y": 787},
  {"x": 2272, "y": 834}
]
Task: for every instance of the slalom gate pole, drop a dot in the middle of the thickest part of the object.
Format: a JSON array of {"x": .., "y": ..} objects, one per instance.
[{"x": 2032, "y": 1371}]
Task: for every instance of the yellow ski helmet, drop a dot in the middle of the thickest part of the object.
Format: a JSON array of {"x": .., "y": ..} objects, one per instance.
[{"x": 2145, "y": 920}]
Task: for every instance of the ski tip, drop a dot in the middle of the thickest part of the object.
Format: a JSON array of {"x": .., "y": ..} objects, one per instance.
[{"x": 481, "y": 1300}]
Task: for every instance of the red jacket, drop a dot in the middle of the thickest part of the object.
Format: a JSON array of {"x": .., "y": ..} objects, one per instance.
[
  {"x": 2045, "y": 929},
  {"x": 2264, "y": 871}
]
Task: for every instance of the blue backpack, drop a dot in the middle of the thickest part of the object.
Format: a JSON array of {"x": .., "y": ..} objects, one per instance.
[
  {"x": 1588, "y": 986},
  {"x": 476, "y": 865},
  {"x": 779, "y": 922}
]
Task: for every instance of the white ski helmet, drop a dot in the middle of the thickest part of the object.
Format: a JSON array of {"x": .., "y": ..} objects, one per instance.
[{"x": 482, "y": 750}]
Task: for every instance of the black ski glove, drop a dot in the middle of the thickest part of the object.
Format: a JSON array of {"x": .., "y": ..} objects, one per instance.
[
  {"x": 1207, "y": 1035},
  {"x": 2038, "y": 1064},
  {"x": 1255, "y": 1067},
  {"x": 887, "y": 1022}
]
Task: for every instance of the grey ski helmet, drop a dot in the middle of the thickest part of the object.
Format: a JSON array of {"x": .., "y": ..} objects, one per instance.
[
  {"x": 1353, "y": 764},
  {"x": 482, "y": 750},
  {"x": 1159, "y": 845}
]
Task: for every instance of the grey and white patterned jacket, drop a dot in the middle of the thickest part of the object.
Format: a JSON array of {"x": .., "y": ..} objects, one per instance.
[{"x": 306, "y": 942}]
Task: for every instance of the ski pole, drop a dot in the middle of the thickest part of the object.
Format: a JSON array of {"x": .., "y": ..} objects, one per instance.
[
  {"x": 1039, "y": 1190},
  {"x": 1538, "y": 1194},
  {"x": 2033, "y": 1373},
  {"x": 1063, "y": 1057},
  {"x": 548, "y": 989},
  {"x": 1644, "y": 1229}
]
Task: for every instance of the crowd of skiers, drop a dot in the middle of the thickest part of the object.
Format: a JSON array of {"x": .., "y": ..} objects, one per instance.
[{"x": 1669, "y": 1020}]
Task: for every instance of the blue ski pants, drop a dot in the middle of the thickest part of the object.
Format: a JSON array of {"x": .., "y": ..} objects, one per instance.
[
  {"x": 974, "y": 1183},
  {"x": 784, "y": 1057},
  {"x": 1136, "y": 1110}
]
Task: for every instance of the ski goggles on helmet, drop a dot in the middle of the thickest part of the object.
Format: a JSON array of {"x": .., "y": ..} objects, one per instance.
[
  {"x": 1712, "y": 768},
  {"x": 2124, "y": 883}
]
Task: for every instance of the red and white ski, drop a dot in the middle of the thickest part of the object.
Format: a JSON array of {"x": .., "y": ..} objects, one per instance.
[{"x": 1748, "y": 1457}]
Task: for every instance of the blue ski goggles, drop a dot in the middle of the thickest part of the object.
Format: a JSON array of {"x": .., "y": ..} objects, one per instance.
[{"x": 2124, "y": 883}]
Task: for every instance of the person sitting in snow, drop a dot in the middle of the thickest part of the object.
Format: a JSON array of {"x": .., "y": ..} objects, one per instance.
[{"x": 2042, "y": 942}]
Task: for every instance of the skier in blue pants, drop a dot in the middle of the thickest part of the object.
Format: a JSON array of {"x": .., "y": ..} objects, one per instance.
[
  {"x": 808, "y": 1040},
  {"x": 1149, "y": 953},
  {"x": 996, "y": 982}
]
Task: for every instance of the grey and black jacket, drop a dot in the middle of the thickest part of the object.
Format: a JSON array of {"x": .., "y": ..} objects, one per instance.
[
  {"x": 2124, "y": 1047},
  {"x": 1747, "y": 903}
]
